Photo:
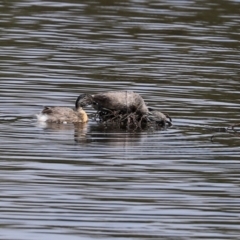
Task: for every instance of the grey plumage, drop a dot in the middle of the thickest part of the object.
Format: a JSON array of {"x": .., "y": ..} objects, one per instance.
[
  {"x": 122, "y": 101},
  {"x": 62, "y": 115},
  {"x": 159, "y": 117}
]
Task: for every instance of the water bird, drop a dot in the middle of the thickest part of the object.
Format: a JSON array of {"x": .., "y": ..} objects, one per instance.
[
  {"x": 125, "y": 108},
  {"x": 63, "y": 114},
  {"x": 121, "y": 101},
  {"x": 159, "y": 118}
]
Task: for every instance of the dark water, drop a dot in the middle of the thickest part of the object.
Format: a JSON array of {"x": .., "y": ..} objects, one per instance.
[{"x": 61, "y": 182}]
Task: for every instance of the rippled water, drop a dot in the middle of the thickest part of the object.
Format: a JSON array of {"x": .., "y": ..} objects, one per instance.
[{"x": 89, "y": 182}]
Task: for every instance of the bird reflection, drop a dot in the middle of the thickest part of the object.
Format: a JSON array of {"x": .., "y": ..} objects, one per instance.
[
  {"x": 107, "y": 136},
  {"x": 95, "y": 133}
]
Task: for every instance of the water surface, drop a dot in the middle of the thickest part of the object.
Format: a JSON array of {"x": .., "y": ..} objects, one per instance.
[{"x": 92, "y": 182}]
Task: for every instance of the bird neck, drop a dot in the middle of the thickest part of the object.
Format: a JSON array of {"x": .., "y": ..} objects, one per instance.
[{"x": 83, "y": 114}]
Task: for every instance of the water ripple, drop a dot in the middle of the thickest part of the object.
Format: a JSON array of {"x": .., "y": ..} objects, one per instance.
[{"x": 61, "y": 181}]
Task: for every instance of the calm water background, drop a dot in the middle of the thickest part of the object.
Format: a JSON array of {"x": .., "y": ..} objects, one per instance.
[{"x": 61, "y": 182}]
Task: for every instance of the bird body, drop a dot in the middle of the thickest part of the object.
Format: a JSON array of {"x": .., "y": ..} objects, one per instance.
[
  {"x": 122, "y": 101},
  {"x": 63, "y": 114}
]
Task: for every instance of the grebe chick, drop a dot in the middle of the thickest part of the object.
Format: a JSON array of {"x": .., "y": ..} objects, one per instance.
[{"x": 63, "y": 115}]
